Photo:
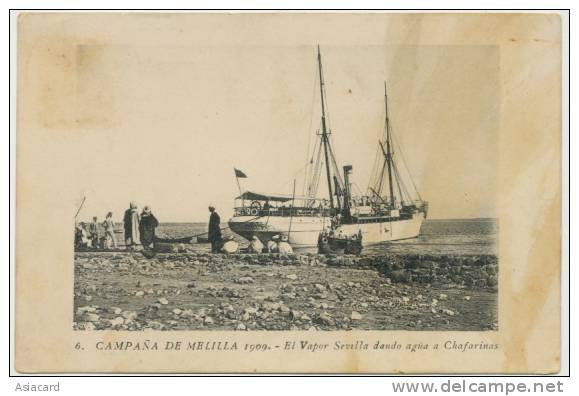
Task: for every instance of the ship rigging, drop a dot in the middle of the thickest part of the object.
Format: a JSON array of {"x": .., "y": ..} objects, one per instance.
[{"x": 388, "y": 211}]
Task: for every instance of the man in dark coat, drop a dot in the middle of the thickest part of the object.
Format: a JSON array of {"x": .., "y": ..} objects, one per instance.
[
  {"x": 147, "y": 227},
  {"x": 95, "y": 233},
  {"x": 214, "y": 232}
]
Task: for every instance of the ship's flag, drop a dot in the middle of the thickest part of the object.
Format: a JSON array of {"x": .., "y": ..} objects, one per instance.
[{"x": 239, "y": 174}]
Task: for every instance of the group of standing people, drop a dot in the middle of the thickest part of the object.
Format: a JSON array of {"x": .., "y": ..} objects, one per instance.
[
  {"x": 96, "y": 235},
  {"x": 139, "y": 230}
]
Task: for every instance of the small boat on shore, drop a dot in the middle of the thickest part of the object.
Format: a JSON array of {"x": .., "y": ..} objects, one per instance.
[
  {"x": 174, "y": 240},
  {"x": 330, "y": 243},
  {"x": 202, "y": 239}
]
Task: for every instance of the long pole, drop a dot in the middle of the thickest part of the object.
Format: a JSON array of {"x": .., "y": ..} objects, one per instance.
[
  {"x": 79, "y": 208},
  {"x": 388, "y": 149},
  {"x": 291, "y": 211},
  {"x": 324, "y": 131}
]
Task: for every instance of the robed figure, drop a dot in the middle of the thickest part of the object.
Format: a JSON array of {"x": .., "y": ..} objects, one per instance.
[
  {"x": 214, "y": 232},
  {"x": 131, "y": 221},
  {"x": 147, "y": 226}
]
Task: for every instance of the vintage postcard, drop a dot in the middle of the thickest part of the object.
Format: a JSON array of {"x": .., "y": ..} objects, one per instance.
[{"x": 288, "y": 192}]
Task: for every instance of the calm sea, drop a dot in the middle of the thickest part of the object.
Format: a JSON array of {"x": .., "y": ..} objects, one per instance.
[{"x": 472, "y": 236}]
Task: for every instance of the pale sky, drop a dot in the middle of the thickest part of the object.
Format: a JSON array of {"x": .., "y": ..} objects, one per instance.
[
  {"x": 184, "y": 117},
  {"x": 164, "y": 123}
]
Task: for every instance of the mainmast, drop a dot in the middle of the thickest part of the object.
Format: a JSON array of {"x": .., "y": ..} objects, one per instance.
[
  {"x": 388, "y": 148},
  {"x": 324, "y": 131}
]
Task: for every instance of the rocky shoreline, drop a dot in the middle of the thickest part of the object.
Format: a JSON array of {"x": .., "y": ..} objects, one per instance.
[{"x": 187, "y": 291}]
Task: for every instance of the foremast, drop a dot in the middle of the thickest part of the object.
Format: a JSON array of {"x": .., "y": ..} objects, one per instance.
[
  {"x": 323, "y": 147},
  {"x": 325, "y": 140},
  {"x": 388, "y": 148}
]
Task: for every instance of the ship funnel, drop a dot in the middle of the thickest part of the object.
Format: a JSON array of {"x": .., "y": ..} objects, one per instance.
[{"x": 347, "y": 190}]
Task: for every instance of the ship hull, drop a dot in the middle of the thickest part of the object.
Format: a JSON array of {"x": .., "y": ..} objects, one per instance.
[
  {"x": 386, "y": 231},
  {"x": 303, "y": 232}
]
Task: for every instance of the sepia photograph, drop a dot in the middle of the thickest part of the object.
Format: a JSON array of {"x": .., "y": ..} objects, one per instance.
[
  {"x": 379, "y": 189},
  {"x": 325, "y": 224}
]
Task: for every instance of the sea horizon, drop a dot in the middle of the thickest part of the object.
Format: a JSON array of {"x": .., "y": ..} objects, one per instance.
[{"x": 427, "y": 219}]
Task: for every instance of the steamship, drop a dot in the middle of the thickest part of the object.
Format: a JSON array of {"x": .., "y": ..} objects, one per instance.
[{"x": 390, "y": 210}]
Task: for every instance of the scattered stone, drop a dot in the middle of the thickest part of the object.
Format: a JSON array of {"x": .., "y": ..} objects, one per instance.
[
  {"x": 448, "y": 312},
  {"x": 129, "y": 315},
  {"x": 288, "y": 296},
  {"x": 355, "y": 316},
  {"x": 82, "y": 310},
  {"x": 294, "y": 314},
  {"x": 273, "y": 304},
  {"x": 89, "y": 326},
  {"x": 269, "y": 306},
  {"x": 117, "y": 321},
  {"x": 325, "y": 319},
  {"x": 92, "y": 317},
  {"x": 400, "y": 276},
  {"x": 154, "y": 325},
  {"x": 245, "y": 280},
  {"x": 240, "y": 326}
]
